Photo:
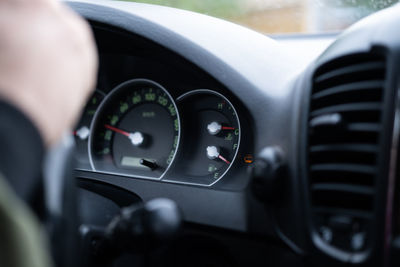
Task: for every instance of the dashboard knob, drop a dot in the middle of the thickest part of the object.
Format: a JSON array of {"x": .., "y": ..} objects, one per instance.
[
  {"x": 214, "y": 128},
  {"x": 212, "y": 152},
  {"x": 136, "y": 138},
  {"x": 267, "y": 173},
  {"x": 144, "y": 226}
]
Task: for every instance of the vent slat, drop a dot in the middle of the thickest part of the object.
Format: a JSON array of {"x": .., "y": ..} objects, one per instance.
[
  {"x": 363, "y": 67},
  {"x": 357, "y": 126},
  {"x": 366, "y": 148},
  {"x": 368, "y": 106},
  {"x": 364, "y": 127},
  {"x": 335, "y": 211},
  {"x": 357, "y": 189},
  {"x": 340, "y": 167},
  {"x": 357, "y": 86}
]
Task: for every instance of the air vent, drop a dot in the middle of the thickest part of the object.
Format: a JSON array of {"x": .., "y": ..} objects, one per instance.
[{"x": 344, "y": 127}]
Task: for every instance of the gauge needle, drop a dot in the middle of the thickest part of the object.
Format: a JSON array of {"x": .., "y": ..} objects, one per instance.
[
  {"x": 150, "y": 164},
  {"x": 224, "y": 159},
  {"x": 227, "y": 128},
  {"x": 214, "y": 128},
  {"x": 136, "y": 138},
  {"x": 112, "y": 128},
  {"x": 213, "y": 153}
]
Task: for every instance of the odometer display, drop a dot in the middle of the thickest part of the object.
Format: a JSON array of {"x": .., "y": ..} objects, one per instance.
[{"x": 136, "y": 131}]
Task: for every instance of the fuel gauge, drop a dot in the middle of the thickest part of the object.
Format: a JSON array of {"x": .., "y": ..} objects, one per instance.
[{"x": 210, "y": 138}]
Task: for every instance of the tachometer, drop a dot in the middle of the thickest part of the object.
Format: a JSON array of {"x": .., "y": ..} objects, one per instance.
[
  {"x": 82, "y": 130},
  {"x": 136, "y": 131}
]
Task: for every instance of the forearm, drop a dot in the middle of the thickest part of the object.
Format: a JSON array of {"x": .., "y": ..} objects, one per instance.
[{"x": 22, "y": 244}]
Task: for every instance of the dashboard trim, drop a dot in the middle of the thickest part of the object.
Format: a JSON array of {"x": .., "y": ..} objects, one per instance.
[
  {"x": 274, "y": 89},
  {"x": 394, "y": 150}
]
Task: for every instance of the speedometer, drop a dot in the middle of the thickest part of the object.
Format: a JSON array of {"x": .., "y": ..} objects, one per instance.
[{"x": 136, "y": 131}]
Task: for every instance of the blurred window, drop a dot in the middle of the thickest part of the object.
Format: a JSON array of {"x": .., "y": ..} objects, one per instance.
[{"x": 283, "y": 16}]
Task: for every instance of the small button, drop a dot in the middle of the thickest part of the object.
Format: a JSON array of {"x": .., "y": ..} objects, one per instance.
[
  {"x": 326, "y": 234},
  {"x": 358, "y": 241}
]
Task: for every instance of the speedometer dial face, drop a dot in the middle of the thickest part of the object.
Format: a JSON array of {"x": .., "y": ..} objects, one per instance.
[{"x": 136, "y": 131}]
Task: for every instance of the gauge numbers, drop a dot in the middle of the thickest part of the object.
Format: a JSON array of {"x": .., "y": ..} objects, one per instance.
[{"x": 136, "y": 131}]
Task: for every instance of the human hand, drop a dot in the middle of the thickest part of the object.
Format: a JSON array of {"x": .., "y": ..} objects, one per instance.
[{"x": 48, "y": 63}]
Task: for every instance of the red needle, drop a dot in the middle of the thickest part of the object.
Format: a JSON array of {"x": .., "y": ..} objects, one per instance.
[
  {"x": 116, "y": 130},
  {"x": 227, "y": 128},
  {"x": 223, "y": 159}
]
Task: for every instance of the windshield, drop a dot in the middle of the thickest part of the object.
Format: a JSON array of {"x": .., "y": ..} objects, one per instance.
[{"x": 283, "y": 16}]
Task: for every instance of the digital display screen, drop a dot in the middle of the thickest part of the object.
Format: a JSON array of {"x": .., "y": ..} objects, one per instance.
[{"x": 134, "y": 162}]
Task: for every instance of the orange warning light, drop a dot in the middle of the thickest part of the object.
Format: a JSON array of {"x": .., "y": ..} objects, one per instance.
[{"x": 248, "y": 159}]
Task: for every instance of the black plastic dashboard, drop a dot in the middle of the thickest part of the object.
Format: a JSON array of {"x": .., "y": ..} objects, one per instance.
[
  {"x": 186, "y": 86},
  {"x": 333, "y": 120}
]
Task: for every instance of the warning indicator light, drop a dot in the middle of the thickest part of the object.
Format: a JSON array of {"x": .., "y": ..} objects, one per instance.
[{"x": 248, "y": 159}]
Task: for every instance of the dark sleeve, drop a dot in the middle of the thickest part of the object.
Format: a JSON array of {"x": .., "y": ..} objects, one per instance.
[{"x": 21, "y": 153}]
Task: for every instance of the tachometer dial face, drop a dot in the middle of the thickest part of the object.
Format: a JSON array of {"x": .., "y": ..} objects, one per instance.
[
  {"x": 211, "y": 137},
  {"x": 136, "y": 131},
  {"x": 82, "y": 130}
]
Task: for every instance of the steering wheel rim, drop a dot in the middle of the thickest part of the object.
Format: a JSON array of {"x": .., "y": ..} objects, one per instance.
[{"x": 61, "y": 217}]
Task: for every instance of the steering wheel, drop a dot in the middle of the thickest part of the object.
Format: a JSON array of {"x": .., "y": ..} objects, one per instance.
[
  {"x": 138, "y": 227},
  {"x": 61, "y": 216}
]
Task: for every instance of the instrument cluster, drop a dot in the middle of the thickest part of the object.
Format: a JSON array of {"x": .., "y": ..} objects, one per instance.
[{"x": 139, "y": 130}]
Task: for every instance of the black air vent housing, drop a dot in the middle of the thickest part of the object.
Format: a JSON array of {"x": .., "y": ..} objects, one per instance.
[{"x": 343, "y": 152}]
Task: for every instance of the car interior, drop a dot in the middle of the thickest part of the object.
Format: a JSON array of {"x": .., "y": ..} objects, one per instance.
[{"x": 206, "y": 143}]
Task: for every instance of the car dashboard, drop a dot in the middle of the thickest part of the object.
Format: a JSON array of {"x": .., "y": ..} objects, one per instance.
[{"x": 275, "y": 155}]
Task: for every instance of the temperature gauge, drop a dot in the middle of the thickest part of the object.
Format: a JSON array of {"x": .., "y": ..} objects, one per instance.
[{"x": 210, "y": 137}]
